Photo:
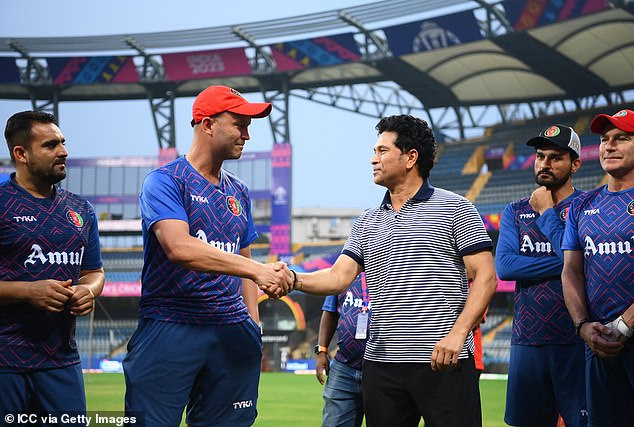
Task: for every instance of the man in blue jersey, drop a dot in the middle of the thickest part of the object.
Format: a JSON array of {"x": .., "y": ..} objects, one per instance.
[
  {"x": 598, "y": 275},
  {"x": 349, "y": 314},
  {"x": 198, "y": 343},
  {"x": 50, "y": 273},
  {"x": 419, "y": 249},
  {"x": 546, "y": 368}
]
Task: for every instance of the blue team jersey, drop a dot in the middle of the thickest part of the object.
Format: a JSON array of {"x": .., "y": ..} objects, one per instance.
[
  {"x": 50, "y": 238},
  {"x": 601, "y": 225},
  {"x": 529, "y": 252},
  {"x": 218, "y": 215},
  {"x": 348, "y": 305}
]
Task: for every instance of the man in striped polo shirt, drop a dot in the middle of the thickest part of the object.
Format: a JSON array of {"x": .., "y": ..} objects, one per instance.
[{"x": 418, "y": 248}]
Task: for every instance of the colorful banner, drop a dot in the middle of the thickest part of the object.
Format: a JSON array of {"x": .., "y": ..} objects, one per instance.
[
  {"x": 491, "y": 221},
  {"x": 505, "y": 286},
  {"x": 89, "y": 70},
  {"x": 590, "y": 152},
  {"x": 321, "y": 51},
  {"x": 206, "y": 64},
  {"x": 281, "y": 199},
  {"x": 121, "y": 289},
  {"x": 129, "y": 161},
  {"x": 435, "y": 33},
  {"x": 9, "y": 72},
  {"x": 132, "y": 199},
  {"x": 527, "y": 14}
]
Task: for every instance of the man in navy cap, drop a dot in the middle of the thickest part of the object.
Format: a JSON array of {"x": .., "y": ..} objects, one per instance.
[{"x": 546, "y": 370}]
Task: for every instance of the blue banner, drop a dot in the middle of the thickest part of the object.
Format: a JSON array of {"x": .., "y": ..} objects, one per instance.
[
  {"x": 434, "y": 33},
  {"x": 281, "y": 199}
]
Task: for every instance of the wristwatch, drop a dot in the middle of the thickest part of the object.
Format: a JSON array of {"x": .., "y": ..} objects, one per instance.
[{"x": 320, "y": 349}]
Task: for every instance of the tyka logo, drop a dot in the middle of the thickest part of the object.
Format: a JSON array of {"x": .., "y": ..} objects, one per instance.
[
  {"x": 26, "y": 218},
  {"x": 199, "y": 199},
  {"x": 243, "y": 404}
]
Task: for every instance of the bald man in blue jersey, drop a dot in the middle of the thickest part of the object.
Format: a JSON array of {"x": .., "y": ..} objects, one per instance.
[
  {"x": 198, "y": 344},
  {"x": 598, "y": 275},
  {"x": 546, "y": 367}
]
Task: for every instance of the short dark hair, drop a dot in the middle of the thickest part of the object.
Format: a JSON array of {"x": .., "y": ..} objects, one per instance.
[
  {"x": 412, "y": 134},
  {"x": 18, "y": 129}
]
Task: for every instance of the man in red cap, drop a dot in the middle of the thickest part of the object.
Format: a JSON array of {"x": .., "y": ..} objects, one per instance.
[
  {"x": 198, "y": 343},
  {"x": 598, "y": 275}
]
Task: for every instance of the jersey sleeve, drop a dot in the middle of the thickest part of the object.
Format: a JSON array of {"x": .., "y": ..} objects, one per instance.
[
  {"x": 250, "y": 234},
  {"x": 92, "y": 257},
  {"x": 353, "y": 246},
  {"x": 553, "y": 227},
  {"x": 468, "y": 228},
  {"x": 330, "y": 304},
  {"x": 161, "y": 199},
  {"x": 510, "y": 265},
  {"x": 571, "y": 240}
]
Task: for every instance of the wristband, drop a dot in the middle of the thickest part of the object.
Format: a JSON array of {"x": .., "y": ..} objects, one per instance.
[
  {"x": 579, "y": 325},
  {"x": 297, "y": 280},
  {"x": 321, "y": 349},
  {"x": 294, "y": 278},
  {"x": 622, "y": 327}
]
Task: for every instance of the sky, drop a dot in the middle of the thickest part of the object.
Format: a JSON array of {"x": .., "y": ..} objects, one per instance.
[{"x": 331, "y": 147}]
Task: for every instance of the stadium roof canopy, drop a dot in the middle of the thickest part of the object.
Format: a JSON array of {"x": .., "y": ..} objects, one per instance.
[{"x": 445, "y": 53}]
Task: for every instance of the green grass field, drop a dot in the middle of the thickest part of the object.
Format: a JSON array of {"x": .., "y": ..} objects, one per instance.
[{"x": 285, "y": 399}]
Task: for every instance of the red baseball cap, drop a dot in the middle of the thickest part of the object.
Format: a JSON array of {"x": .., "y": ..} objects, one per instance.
[
  {"x": 623, "y": 120},
  {"x": 218, "y": 99}
]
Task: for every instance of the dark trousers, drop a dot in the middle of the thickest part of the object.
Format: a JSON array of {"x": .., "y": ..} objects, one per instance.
[{"x": 399, "y": 394}]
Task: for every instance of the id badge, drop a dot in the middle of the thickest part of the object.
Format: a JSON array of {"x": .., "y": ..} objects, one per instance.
[{"x": 362, "y": 326}]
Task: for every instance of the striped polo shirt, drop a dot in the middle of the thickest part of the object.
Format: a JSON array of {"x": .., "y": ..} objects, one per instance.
[{"x": 415, "y": 273}]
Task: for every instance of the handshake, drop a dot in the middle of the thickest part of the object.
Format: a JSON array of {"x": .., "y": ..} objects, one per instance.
[{"x": 276, "y": 280}]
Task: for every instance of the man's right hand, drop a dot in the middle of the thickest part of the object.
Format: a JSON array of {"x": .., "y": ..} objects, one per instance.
[
  {"x": 541, "y": 200},
  {"x": 601, "y": 339},
  {"x": 275, "y": 280},
  {"x": 50, "y": 295},
  {"x": 322, "y": 366}
]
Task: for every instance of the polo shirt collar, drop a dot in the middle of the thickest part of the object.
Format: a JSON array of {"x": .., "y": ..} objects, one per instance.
[{"x": 423, "y": 194}]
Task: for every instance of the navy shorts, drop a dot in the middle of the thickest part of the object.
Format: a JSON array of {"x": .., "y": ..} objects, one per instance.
[
  {"x": 610, "y": 389},
  {"x": 213, "y": 370},
  {"x": 545, "y": 381},
  {"x": 55, "y": 392}
]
